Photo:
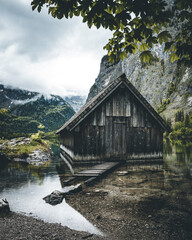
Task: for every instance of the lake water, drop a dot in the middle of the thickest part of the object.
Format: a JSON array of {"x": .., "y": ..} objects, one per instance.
[{"x": 24, "y": 187}]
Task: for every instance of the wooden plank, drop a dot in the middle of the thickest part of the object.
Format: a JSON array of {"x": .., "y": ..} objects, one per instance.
[
  {"x": 97, "y": 170},
  {"x": 68, "y": 181},
  {"x": 108, "y": 137},
  {"x": 86, "y": 175},
  {"x": 89, "y": 181},
  {"x": 94, "y": 171},
  {"x": 104, "y": 166}
]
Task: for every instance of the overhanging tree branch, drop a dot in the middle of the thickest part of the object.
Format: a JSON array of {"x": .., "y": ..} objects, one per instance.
[{"x": 136, "y": 24}]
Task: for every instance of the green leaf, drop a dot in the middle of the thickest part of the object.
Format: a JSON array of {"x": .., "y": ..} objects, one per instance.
[
  {"x": 34, "y": 7},
  {"x": 151, "y": 40},
  {"x": 143, "y": 47},
  {"x": 164, "y": 37},
  {"x": 184, "y": 15},
  {"x": 156, "y": 29},
  {"x": 174, "y": 57},
  {"x": 77, "y": 12},
  {"x": 131, "y": 48},
  {"x": 146, "y": 56},
  {"x": 168, "y": 46},
  {"x": 135, "y": 48},
  {"x": 39, "y": 9},
  {"x": 111, "y": 57},
  {"x": 122, "y": 55}
]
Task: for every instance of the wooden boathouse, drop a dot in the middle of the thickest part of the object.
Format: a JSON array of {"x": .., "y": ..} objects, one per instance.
[{"x": 117, "y": 124}]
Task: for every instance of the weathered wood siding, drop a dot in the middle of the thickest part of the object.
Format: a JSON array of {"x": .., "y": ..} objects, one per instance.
[
  {"x": 120, "y": 128},
  {"x": 67, "y": 139}
]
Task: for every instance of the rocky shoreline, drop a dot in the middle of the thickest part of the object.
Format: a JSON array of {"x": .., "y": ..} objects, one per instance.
[
  {"x": 121, "y": 218},
  {"x": 134, "y": 202},
  {"x": 15, "y": 226},
  {"x": 116, "y": 217},
  {"x": 18, "y": 150}
]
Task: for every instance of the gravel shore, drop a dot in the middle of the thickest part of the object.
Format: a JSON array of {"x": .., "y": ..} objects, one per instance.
[
  {"x": 123, "y": 206},
  {"x": 122, "y": 219},
  {"x": 117, "y": 218},
  {"x": 19, "y": 227}
]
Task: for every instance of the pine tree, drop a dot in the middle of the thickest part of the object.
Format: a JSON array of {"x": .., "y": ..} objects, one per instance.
[{"x": 187, "y": 120}]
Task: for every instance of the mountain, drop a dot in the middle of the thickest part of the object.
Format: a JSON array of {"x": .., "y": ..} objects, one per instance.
[
  {"x": 14, "y": 126},
  {"x": 166, "y": 86},
  {"x": 76, "y": 101},
  {"x": 33, "y": 107}
]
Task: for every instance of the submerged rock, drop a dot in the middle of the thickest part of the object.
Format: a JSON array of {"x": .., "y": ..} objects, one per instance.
[{"x": 4, "y": 206}]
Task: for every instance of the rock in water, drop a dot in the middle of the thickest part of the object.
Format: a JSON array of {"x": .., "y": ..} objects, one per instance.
[
  {"x": 4, "y": 206},
  {"x": 57, "y": 197},
  {"x": 54, "y": 198},
  {"x": 39, "y": 157}
]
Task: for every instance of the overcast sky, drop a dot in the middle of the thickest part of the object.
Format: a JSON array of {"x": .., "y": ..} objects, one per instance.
[{"x": 40, "y": 53}]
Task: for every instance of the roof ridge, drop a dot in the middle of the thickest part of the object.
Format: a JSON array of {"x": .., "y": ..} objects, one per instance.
[
  {"x": 89, "y": 103},
  {"x": 92, "y": 104}
]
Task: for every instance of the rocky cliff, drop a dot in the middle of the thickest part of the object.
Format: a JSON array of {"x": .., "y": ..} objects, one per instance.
[{"x": 166, "y": 86}]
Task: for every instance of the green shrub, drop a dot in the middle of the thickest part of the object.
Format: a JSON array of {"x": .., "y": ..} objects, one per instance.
[
  {"x": 179, "y": 116},
  {"x": 182, "y": 130},
  {"x": 171, "y": 89},
  {"x": 163, "y": 105},
  {"x": 178, "y": 125}
]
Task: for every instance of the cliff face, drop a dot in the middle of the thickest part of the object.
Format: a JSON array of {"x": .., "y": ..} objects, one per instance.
[{"x": 166, "y": 86}]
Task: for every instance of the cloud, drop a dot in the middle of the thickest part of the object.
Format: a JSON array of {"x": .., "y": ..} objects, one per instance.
[{"x": 40, "y": 53}]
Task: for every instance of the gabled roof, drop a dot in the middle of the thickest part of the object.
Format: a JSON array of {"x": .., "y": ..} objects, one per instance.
[{"x": 101, "y": 96}]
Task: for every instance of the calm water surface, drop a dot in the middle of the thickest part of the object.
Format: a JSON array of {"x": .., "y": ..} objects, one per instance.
[{"x": 24, "y": 186}]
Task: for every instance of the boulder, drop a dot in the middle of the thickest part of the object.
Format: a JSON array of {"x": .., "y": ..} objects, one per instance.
[
  {"x": 39, "y": 157},
  {"x": 4, "y": 206},
  {"x": 54, "y": 198},
  {"x": 57, "y": 197}
]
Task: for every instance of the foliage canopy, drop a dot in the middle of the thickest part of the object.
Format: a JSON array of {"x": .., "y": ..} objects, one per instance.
[{"x": 136, "y": 24}]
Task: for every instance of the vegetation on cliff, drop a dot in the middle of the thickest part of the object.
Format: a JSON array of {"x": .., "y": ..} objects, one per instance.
[
  {"x": 51, "y": 113},
  {"x": 21, "y": 136},
  {"x": 21, "y": 147},
  {"x": 28, "y": 121},
  {"x": 182, "y": 129},
  {"x": 12, "y": 126}
]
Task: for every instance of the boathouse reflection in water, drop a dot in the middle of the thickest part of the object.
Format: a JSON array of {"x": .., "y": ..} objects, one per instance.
[{"x": 24, "y": 187}]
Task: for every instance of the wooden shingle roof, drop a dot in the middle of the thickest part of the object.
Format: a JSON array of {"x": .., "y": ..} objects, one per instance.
[{"x": 101, "y": 96}]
